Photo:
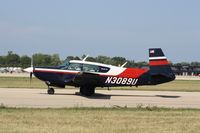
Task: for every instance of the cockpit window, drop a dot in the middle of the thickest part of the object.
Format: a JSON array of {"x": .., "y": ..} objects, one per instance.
[
  {"x": 83, "y": 67},
  {"x": 71, "y": 66},
  {"x": 94, "y": 68},
  {"x": 90, "y": 68},
  {"x": 75, "y": 66}
]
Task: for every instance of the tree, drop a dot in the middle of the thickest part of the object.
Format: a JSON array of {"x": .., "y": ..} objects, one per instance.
[
  {"x": 76, "y": 58},
  {"x": 41, "y": 60},
  {"x": 195, "y": 63},
  {"x": 12, "y": 59},
  {"x": 103, "y": 59},
  {"x": 118, "y": 61},
  {"x": 72, "y": 58},
  {"x": 141, "y": 64},
  {"x": 55, "y": 60},
  {"x": 130, "y": 63},
  {"x": 92, "y": 59},
  {"x": 46, "y": 60},
  {"x": 2, "y": 61},
  {"x": 25, "y": 61}
]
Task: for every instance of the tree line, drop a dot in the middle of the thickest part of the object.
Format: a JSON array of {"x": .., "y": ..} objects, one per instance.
[
  {"x": 14, "y": 60},
  {"x": 39, "y": 59}
]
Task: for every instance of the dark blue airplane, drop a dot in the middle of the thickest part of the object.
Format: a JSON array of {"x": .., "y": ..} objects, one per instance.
[{"x": 89, "y": 75}]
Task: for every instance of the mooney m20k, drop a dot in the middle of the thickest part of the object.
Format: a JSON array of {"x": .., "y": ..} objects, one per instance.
[{"x": 89, "y": 75}]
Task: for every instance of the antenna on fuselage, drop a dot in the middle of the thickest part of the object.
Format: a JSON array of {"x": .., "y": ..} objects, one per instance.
[
  {"x": 124, "y": 64},
  {"x": 85, "y": 58}
]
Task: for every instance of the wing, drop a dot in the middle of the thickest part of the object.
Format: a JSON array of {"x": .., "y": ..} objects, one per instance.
[{"x": 86, "y": 78}]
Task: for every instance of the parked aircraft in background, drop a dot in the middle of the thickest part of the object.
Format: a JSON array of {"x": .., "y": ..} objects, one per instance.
[
  {"x": 11, "y": 69},
  {"x": 89, "y": 75}
]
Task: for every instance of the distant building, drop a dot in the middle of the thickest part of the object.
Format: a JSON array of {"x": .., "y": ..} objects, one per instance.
[{"x": 186, "y": 70}]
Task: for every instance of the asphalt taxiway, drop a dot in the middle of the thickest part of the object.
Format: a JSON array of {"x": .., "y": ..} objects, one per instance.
[{"x": 37, "y": 98}]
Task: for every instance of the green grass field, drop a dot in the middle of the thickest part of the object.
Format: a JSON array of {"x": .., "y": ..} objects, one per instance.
[
  {"x": 99, "y": 120},
  {"x": 177, "y": 85},
  {"x": 21, "y": 82}
]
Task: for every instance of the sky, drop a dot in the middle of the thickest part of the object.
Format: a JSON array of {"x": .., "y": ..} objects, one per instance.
[{"x": 124, "y": 28}]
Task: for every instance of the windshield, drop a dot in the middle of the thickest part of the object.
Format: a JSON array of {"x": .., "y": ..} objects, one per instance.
[{"x": 65, "y": 64}]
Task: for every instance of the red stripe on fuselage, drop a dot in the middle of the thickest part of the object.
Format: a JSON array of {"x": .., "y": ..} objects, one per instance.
[
  {"x": 132, "y": 73},
  {"x": 158, "y": 62}
]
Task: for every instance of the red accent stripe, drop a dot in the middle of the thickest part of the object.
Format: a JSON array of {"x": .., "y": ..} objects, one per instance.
[
  {"x": 132, "y": 73},
  {"x": 158, "y": 62}
]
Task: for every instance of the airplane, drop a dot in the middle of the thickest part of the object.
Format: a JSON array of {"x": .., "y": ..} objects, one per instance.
[{"x": 89, "y": 75}]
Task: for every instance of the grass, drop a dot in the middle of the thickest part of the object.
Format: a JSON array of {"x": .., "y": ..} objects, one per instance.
[
  {"x": 98, "y": 120},
  {"x": 21, "y": 82},
  {"x": 177, "y": 85}
]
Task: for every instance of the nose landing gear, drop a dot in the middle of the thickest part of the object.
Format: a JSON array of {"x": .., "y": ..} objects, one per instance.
[{"x": 50, "y": 90}]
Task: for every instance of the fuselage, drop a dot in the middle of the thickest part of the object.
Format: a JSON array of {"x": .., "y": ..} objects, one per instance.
[
  {"x": 102, "y": 74},
  {"x": 89, "y": 75}
]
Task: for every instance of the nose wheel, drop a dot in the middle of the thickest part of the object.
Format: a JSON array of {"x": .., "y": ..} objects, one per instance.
[{"x": 50, "y": 91}]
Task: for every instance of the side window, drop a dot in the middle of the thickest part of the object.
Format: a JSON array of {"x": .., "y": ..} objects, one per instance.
[
  {"x": 75, "y": 66},
  {"x": 90, "y": 68},
  {"x": 94, "y": 68},
  {"x": 103, "y": 69}
]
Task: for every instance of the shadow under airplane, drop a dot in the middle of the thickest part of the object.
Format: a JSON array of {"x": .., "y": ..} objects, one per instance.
[{"x": 108, "y": 96}]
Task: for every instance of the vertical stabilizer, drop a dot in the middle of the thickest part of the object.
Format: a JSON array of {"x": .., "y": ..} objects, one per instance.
[
  {"x": 160, "y": 68},
  {"x": 157, "y": 57}
]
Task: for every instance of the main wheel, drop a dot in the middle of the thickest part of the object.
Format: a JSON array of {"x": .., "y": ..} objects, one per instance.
[
  {"x": 50, "y": 91},
  {"x": 87, "y": 90}
]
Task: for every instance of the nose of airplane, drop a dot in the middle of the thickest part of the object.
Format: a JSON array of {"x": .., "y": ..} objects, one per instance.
[{"x": 29, "y": 69}]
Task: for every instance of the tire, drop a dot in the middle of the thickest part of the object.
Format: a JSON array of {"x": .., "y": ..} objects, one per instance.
[
  {"x": 50, "y": 91},
  {"x": 87, "y": 90}
]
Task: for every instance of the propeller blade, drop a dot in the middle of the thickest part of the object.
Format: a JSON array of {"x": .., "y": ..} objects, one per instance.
[
  {"x": 30, "y": 70},
  {"x": 31, "y": 75}
]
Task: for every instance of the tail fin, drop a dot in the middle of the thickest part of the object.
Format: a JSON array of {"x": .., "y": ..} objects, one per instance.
[{"x": 160, "y": 68}]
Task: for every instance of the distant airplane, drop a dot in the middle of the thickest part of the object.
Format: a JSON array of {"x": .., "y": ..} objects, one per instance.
[{"x": 89, "y": 75}]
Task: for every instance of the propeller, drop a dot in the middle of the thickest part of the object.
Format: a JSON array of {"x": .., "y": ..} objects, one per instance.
[
  {"x": 30, "y": 70},
  {"x": 31, "y": 73}
]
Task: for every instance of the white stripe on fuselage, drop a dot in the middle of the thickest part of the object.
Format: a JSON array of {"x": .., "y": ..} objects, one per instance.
[{"x": 157, "y": 58}]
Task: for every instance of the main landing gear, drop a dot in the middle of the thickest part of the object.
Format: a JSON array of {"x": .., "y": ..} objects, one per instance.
[
  {"x": 50, "y": 91},
  {"x": 87, "y": 90}
]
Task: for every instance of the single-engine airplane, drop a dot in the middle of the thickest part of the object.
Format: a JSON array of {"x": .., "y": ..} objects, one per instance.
[{"x": 89, "y": 75}]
